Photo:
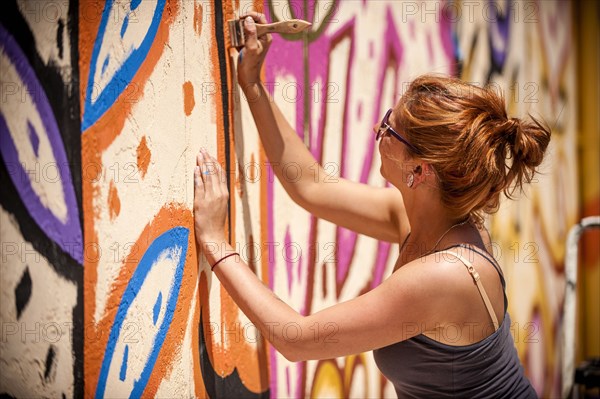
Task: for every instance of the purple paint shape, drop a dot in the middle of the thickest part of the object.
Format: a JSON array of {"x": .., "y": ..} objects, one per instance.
[
  {"x": 499, "y": 29},
  {"x": 67, "y": 235},
  {"x": 346, "y": 245},
  {"x": 34, "y": 138},
  {"x": 383, "y": 254},
  {"x": 299, "y": 273},
  {"x": 411, "y": 28},
  {"x": 287, "y": 380},
  {"x": 446, "y": 37},
  {"x": 287, "y": 242},
  {"x": 430, "y": 47}
]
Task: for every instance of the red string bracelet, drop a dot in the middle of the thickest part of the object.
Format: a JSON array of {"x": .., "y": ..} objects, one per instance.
[{"x": 222, "y": 259}]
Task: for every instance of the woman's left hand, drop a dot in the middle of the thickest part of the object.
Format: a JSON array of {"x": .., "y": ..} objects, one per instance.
[{"x": 211, "y": 196}]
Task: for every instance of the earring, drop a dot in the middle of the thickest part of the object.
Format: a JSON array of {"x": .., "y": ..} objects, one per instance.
[{"x": 410, "y": 180}]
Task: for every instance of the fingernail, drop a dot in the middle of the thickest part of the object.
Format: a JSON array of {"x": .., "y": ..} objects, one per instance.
[
  {"x": 197, "y": 170},
  {"x": 249, "y": 20}
]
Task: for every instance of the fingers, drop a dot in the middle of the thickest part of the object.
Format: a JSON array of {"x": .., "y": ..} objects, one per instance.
[
  {"x": 223, "y": 179},
  {"x": 217, "y": 176},
  {"x": 252, "y": 43},
  {"x": 265, "y": 40},
  {"x": 258, "y": 17},
  {"x": 198, "y": 185},
  {"x": 209, "y": 174}
]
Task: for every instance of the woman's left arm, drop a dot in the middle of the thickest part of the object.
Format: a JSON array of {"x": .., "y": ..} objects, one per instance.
[{"x": 389, "y": 313}]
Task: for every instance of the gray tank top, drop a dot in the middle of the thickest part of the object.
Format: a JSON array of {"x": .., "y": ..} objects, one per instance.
[{"x": 421, "y": 367}]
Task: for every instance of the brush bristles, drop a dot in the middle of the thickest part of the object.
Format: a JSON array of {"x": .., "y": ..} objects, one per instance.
[{"x": 236, "y": 32}]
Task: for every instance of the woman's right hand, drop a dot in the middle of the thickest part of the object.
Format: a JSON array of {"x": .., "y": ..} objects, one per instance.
[{"x": 253, "y": 54}]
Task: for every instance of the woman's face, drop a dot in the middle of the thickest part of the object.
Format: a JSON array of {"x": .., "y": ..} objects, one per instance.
[{"x": 395, "y": 159}]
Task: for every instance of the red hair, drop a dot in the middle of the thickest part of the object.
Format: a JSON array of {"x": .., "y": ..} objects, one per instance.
[{"x": 463, "y": 131}]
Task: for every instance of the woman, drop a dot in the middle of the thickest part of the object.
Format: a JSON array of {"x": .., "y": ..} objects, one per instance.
[{"x": 438, "y": 325}]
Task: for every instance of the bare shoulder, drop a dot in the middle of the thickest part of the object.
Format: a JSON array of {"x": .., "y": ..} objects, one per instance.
[
  {"x": 432, "y": 272},
  {"x": 443, "y": 291},
  {"x": 431, "y": 285}
]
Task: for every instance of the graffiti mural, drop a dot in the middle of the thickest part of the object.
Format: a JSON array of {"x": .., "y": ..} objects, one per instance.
[
  {"x": 40, "y": 214},
  {"x": 506, "y": 45},
  {"x": 536, "y": 71},
  {"x": 355, "y": 73},
  {"x": 131, "y": 346},
  {"x": 154, "y": 89},
  {"x": 103, "y": 107}
]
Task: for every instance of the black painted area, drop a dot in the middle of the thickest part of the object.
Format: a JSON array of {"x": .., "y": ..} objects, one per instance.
[
  {"x": 216, "y": 386},
  {"x": 50, "y": 371},
  {"x": 59, "y": 38},
  {"x": 23, "y": 292},
  {"x": 63, "y": 97},
  {"x": 222, "y": 52}
]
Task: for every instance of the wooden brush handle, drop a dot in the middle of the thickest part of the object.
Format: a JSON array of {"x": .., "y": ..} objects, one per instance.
[{"x": 289, "y": 26}]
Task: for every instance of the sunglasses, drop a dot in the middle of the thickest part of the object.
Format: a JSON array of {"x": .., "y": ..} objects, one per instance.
[{"x": 385, "y": 127}]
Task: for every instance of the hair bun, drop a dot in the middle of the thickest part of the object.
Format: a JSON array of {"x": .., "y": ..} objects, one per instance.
[
  {"x": 514, "y": 135},
  {"x": 475, "y": 149},
  {"x": 514, "y": 123}
]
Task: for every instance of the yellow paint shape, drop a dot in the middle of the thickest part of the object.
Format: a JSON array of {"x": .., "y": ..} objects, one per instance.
[{"x": 328, "y": 382}]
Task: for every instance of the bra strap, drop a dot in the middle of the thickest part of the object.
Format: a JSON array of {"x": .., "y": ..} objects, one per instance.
[{"x": 477, "y": 281}]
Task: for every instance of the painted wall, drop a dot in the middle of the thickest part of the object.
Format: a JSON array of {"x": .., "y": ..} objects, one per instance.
[
  {"x": 41, "y": 269},
  {"x": 103, "y": 108}
]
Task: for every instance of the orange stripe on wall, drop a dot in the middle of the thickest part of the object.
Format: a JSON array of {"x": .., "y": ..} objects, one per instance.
[
  {"x": 110, "y": 125},
  {"x": 168, "y": 218},
  {"x": 97, "y": 335}
]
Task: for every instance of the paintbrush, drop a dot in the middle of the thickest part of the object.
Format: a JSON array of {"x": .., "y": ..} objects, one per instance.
[{"x": 238, "y": 38}]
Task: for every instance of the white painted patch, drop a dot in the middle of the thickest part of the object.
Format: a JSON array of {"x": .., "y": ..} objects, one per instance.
[
  {"x": 46, "y": 320},
  {"x": 42, "y": 170},
  {"x": 116, "y": 49}
]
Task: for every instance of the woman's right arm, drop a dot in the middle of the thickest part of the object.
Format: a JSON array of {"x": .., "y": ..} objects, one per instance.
[{"x": 376, "y": 212}]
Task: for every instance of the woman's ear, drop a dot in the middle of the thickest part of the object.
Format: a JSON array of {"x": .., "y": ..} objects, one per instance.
[
  {"x": 427, "y": 169},
  {"x": 421, "y": 171}
]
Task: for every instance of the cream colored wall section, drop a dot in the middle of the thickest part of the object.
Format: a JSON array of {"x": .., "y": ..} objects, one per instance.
[{"x": 36, "y": 355}]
